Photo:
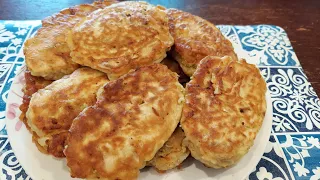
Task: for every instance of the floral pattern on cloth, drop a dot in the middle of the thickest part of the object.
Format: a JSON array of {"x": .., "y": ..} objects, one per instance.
[{"x": 293, "y": 150}]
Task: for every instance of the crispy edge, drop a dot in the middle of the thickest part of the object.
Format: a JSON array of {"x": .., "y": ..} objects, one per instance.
[{"x": 32, "y": 85}]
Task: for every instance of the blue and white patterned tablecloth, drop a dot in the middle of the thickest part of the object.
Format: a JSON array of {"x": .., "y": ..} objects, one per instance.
[{"x": 293, "y": 151}]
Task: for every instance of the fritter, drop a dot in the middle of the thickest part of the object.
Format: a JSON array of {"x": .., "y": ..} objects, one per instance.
[
  {"x": 32, "y": 85},
  {"x": 194, "y": 39},
  {"x": 132, "y": 119},
  {"x": 47, "y": 53},
  {"x": 175, "y": 67},
  {"x": 52, "y": 109},
  {"x": 224, "y": 110},
  {"x": 172, "y": 153},
  {"x": 121, "y": 37}
]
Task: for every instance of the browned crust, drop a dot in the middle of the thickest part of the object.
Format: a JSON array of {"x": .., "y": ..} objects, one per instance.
[
  {"x": 56, "y": 144},
  {"x": 172, "y": 153},
  {"x": 194, "y": 39},
  {"x": 47, "y": 54},
  {"x": 175, "y": 67},
  {"x": 33, "y": 84}
]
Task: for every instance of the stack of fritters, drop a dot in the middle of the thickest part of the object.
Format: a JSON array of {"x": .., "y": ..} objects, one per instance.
[
  {"x": 122, "y": 111},
  {"x": 131, "y": 120},
  {"x": 52, "y": 109},
  {"x": 32, "y": 85}
]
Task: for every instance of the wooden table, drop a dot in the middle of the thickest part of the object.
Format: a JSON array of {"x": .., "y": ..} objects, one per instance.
[{"x": 299, "y": 18}]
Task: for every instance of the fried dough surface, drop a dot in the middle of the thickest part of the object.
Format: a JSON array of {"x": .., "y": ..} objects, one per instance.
[
  {"x": 132, "y": 119},
  {"x": 52, "y": 109},
  {"x": 224, "y": 110},
  {"x": 172, "y": 153},
  {"x": 121, "y": 37},
  {"x": 47, "y": 54},
  {"x": 194, "y": 39},
  {"x": 32, "y": 85}
]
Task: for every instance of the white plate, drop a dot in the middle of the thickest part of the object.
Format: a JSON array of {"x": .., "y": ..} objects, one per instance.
[{"x": 43, "y": 167}]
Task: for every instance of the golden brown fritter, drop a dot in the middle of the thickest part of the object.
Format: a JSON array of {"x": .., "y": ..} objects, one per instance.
[
  {"x": 52, "y": 109},
  {"x": 121, "y": 37},
  {"x": 32, "y": 85},
  {"x": 225, "y": 107},
  {"x": 47, "y": 53},
  {"x": 175, "y": 67},
  {"x": 172, "y": 153},
  {"x": 194, "y": 39},
  {"x": 132, "y": 119}
]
